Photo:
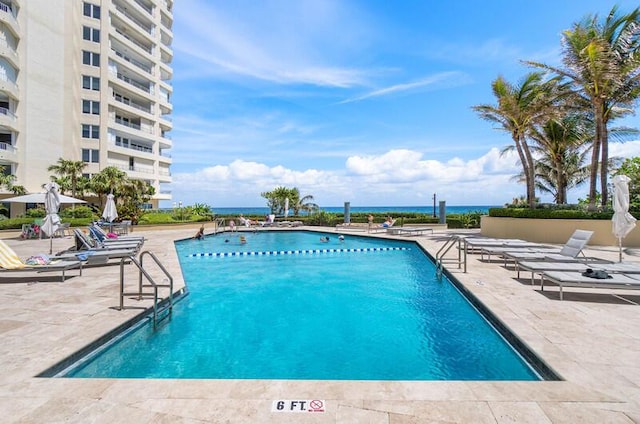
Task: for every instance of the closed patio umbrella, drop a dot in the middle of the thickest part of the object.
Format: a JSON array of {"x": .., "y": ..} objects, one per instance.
[
  {"x": 51, "y": 205},
  {"x": 110, "y": 211},
  {"x": 623, "y": 221},
  {"x": 286, "y": 207}
]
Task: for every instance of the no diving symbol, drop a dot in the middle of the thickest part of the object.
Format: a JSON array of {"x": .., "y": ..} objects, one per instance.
[{"x": 316, "y": 406}]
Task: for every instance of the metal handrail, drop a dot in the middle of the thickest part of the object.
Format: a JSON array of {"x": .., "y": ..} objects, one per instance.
[
  {"x": 445, "y": 248},
  {"x": 151, "y": 283}
]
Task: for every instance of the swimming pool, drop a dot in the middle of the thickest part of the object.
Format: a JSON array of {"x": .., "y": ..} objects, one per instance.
[{"x": 284, "y": 305}]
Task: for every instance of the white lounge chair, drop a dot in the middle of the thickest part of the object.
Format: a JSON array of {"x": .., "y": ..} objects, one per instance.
[
  {"x": 568, "y": 253},
  {"x": 11, "y": 262},
  {"x": 577, "y": 279}
]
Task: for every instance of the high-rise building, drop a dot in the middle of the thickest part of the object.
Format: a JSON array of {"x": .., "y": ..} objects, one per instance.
[{"x": 86, "y": 80}]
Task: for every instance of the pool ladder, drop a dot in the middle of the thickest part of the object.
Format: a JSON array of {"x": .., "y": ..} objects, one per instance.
[
  {"x": 461, "y": 260},
  {"x": 160, "y": 306}
]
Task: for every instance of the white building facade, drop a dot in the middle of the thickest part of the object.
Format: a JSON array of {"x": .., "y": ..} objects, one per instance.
[{"x": 86, "y": 80}]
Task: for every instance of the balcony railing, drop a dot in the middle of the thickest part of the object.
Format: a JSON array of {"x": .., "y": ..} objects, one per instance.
[
  {"x": 134, "y": 62},
  {"x": 11, "y": 50},
  {"x": 135, "y": 20},
  {"x": 7, "y": 113},
  {"x": 134, "y": 83},
  {"x": 147, "y": 49},
  {"x": 134, "y": 168},
  {"x": 8, "y": 13},
  {"x": 136, "y": 147},
  {"x": 8, "y": 147},
  {"x": 144, "y": 6},
  {"x": 164, "y": 172},
  {"x": 135, "y": 105},
  {"x": 144, "y": 128}
]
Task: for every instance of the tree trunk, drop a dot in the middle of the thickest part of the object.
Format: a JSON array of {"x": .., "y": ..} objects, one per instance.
[
  {"x": 531, "y": 177},
  {"x": 604, "y": 163},
  {"x": 522, "y": 149},
  {"x": 595, "y": 157}
]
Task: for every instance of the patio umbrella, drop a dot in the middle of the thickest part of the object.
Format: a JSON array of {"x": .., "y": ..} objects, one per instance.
[
  {"x": 623, "y": 221},
  {"x": 286, "y": 207},
  {"x": 51, "y": 205},
  {"x": 110, "y": 212},
  {"x": 40, "y": 198}
]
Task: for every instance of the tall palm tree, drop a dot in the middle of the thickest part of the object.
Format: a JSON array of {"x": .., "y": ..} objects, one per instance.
[
  {"x": 560, "y": 145},
  {"x": 602, "y": 61},
  {"x": 68, "y": 172},
  {"x": 518, "y": 109}
]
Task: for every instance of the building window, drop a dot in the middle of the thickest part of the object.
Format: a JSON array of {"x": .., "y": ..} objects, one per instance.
[
  {"x": 91, "y": 10},
  {"x": 91, "y": 155},
  {"x": 91, "y": 83},
  {"x": 90, "y": 58},
  {"x": 91, "y": 34},
  {"x": 90, "y": 131},
  {"x": 90, "y": 106}
]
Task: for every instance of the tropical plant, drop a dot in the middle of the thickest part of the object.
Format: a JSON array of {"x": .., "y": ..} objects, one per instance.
[
  {"x": 631, "y": 168},
  {"x": 132, "y": 194},
  {"x": 518, "y": 109},
  {"x": 278, "y": 198},
  {"x": 109, "y": 180},
  {"x": 68, "y": 172},
  {"x": 601, "y": 61},
  {"x": 305, "y": 204},
  {"x": 560, "y": 146},
  {"x": 202, "y": 209}
]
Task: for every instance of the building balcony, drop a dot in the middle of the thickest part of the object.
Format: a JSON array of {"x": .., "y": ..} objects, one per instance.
[
  {"x": 8, "y": 153},
  {"x": 131, "y": 42},
  {"x": 9, "y": 53},
  {"x": 8, "y": 119},
  {"x": 131, "y": 83},
  {"x": 134, "y": 65},
  {"x": 6, "y": 16},
  {"x": 9, "y": 87},
  {"x": 135, "y": 22},
  {"x": 130, "y": 105},
  {"x": 143, "y": 7},
  {"x": 141, "y": 172},
  {"x": 127, "y": 127},
  {"x": 133, "y": 150}
]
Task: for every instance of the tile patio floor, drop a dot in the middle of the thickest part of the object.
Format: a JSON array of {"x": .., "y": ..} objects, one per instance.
[{"x": 592, "y": 339}]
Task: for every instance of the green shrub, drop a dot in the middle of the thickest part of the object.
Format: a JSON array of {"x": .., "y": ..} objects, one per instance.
[
  {"x": 78, "y": 212},
  {"x": 549, "y": 213},
  {"x": 35, "y": 213}
]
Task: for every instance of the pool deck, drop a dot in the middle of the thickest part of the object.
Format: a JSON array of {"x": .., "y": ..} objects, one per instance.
[{"x": 591, "y": 339}]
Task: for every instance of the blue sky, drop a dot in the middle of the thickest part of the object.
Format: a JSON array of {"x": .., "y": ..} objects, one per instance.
[{"x": 361, "y": 101}]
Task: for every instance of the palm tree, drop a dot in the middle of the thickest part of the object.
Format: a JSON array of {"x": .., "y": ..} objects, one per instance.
[
  {"x": 560, "y": 146},
  {"x": 68, "y": 172},
  {"x": 601, "y": 61},
  {"x": 519, "y": 108},
  {"x": 109, "y": 180},
  {"x": 305, "y": 204}
]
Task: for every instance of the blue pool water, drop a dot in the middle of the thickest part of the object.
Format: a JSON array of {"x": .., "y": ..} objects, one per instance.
[{"x": 373, "y": 310}]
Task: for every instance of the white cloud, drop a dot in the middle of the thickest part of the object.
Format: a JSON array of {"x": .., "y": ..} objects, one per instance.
[
  {"x": 434, "y": 82},
  {"x": 396, "y": 177}
]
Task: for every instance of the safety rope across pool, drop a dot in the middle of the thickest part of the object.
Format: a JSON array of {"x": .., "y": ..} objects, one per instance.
[{"x": 296, "y": 252}]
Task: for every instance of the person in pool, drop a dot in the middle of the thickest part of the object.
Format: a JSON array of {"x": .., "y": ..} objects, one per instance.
[
  {"x": 324, "y": 239},
  {"x": 200, "y": 234}
]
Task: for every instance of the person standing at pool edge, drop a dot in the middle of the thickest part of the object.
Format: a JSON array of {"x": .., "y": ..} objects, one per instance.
[{"x": 200, "y": 234}]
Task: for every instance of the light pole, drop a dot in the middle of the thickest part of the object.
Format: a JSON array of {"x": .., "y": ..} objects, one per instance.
[{"x": 434, "y": 205}]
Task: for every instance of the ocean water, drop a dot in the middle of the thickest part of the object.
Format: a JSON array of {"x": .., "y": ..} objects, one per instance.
[{"x": 364, "y": 209}]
